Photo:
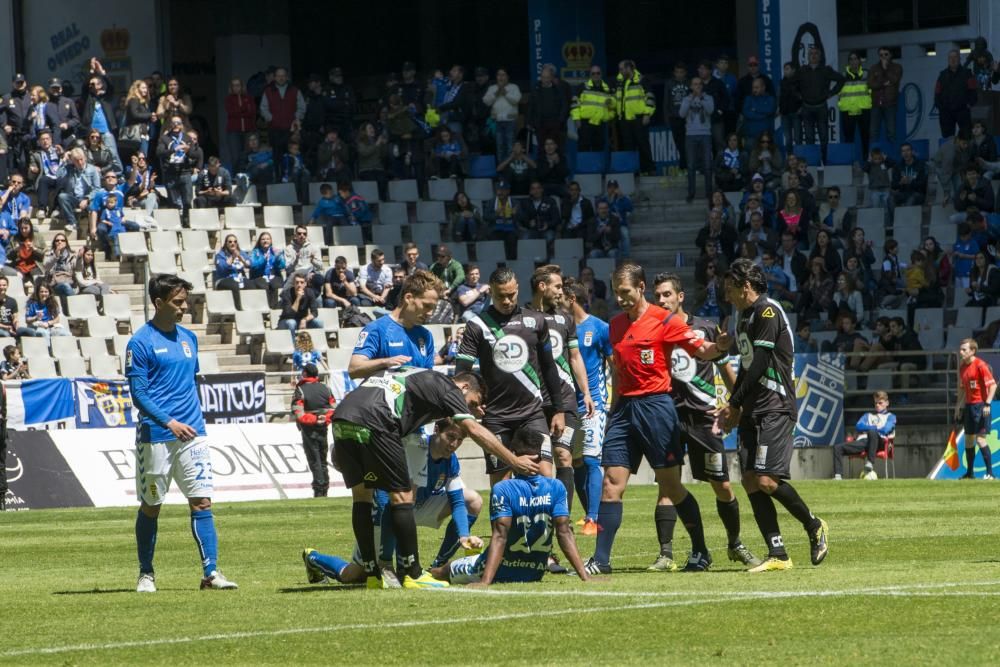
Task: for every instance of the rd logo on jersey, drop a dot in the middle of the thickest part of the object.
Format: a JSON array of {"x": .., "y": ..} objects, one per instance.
[
  {"x": 186, "y": 348},
  {"x": 557, "y": 343},
  {"x": 510, "y": 353}
]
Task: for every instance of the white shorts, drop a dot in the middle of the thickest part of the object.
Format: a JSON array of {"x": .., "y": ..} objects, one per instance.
[
  {"x": 467, "y": 570},
  {"x": 593, "y": 433},
  {"x": 428, "y": 513},
  {"x": 187, "y": 463}
]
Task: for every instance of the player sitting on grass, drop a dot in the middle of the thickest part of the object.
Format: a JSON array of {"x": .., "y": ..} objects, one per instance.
[
  {"x": 439, "y": 493},
  {"x": 872, "y": 428},
  {"x": 523, "y": 511}
]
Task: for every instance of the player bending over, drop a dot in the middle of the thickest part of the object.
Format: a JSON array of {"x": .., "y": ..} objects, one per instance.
[{"x": 523, "y": 512}]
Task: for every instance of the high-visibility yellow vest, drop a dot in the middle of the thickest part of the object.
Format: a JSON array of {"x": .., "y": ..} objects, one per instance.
[
  {"x": 632, "y": 100},
  {"x": 594, "y": 104},
  {"x": 432, "y": 117},
  {"x": 855, "y": 96}
]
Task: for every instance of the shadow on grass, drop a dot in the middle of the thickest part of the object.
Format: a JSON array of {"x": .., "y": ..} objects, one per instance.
[
  {"x": 95, "y": 591},
  {"x": 336, "y": 588}
]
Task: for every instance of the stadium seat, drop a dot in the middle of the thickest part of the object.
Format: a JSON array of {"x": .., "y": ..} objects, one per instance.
[
  {"x": 204, "y": 218},
  {"x": 277, "y": 404},
  {"x": 330, "y": 317},
  {"x": 240, "y": 217},
  {"x": 590, "y": 163},
  {"x": 220, "y": 303},
  {"x": 81, "y": 306},
  {"x": 929, "y": 325},
  {"x": 350, "y": 235},
  {"x": 319, "y": 339},
  {"x": 970, "y": 317},
  {"x": 838, "y": 175},
  {"x": 105, "y": 367},
  {"x": 103, "y": 327},
  {"x": 208, "y": 362},
  {"x": 570, "y": 265},
  {"x": 196, "y": 239},
  {"x": 120, "y": 344},
  {"x": 944, "y": 233},
  {"x": 133, "y": 244},
  {"x": 841, "y": 154},
  {"x": 603, "y": 268},
  {"x": 71, "y": 367},
  {"x": 872, "y": 220},
  {"x": 249, "y": 323},
  {"x": 441, "y": 189},
  {"x": 403, "y": 190},
  {"x": 282, "y": 193},
  {"x": 347, "y": 337},
  {"x": 367, "y": 190},
  {"x": 279, "y": 341},
  {"x": 315, "y": 234},
  {"x": 42, "y": 367},
  {"x": 91, "y": 347},
  {"x": 459, "y": 251},
  {"x": 809, "y": 152},
  {"x": 482, "y": 166},
  {"x": 626, "y": 182},
  {"x": 118, "y": 306},
  {"x": 848, "y": 195},
  {"x": 622, "y": 162},
  {"x": 955, "y": 335},
  {"x": 33, "y": 348},
  {"x": 65, "y": 346},
  {"x": 254, "y": 301},
  {"x": 991, "y": 315},
  {"x": 162, "y": 262},
  {"x": 568, "y": 248},
  {"x": 348, "y": 252},
  {"x": 431, "y": 211},
  {"x": 478, "y": 190},
  {"x": 734, "y": 199},
  {"x": 314, "y": 194},
  {"x": 164, "y": 242},
  {"x": 941, "y": 215},
  {"x": 438, "y": 334},
  {"x": 425, "y": 232},
  {"x": 278, "y": 217},
  {"x": 393, "y": 213},
  {"x": 489, "y": 253},
  {"x": 532, "y": 250},
  {"x": 522, "y": 270},
  {"x": 195, "y": 260},
  {"x": 906, "y": 226},
  {"x": 338, "y": 359},
  {"x": 387, "y": 236},
  {"x": 591, "y": 185},
  {"x": 167, "y": 219}
]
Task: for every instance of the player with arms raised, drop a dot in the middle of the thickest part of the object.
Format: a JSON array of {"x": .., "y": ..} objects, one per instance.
[
  {"x": 161, "y": 361},
  {"x": 762, "y": 405},
  {"x": 976, "y": 388}
]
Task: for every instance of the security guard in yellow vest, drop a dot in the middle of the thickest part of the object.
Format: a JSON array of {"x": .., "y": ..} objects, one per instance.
[
  {"x": 592, "y": 108},
  {"x": 855, "y": 104},
  {"x": 634, "y": 106}
]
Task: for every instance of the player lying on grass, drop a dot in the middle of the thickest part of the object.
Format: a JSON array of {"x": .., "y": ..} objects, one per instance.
[
  {"x": 524, "y": 511},
  {"x": 439, "y": 493}
]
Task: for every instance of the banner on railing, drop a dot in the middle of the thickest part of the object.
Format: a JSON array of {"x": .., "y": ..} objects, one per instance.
[{"x": 233, "y": 398}]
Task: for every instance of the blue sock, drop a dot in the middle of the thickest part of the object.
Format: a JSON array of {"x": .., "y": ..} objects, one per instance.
[
  {"x": 595, "y": 480},
  {"x": 610, "y": 518},
  {"x": 332, "y": 566},
  {"x": 203, "y": 529},
  {"x": 449, "y": 545},
  {"x": 145, "y": 541},
  {"x": 580, "y": 482}
]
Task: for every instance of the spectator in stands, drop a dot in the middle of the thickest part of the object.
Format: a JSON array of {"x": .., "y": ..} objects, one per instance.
[
  {"x": 731, "y": 165},
  {"x": 293, "y": 170},
  {"x": 339, "y": 288},
  {"x": 298, "y": 305},
  {"x": 178, "y": 160},
  {"x": 332, "y": 158},
  {"x": 878, "y": 169},
  {"x": 592, "y": 108},
  {"x": 708, "y": 292},
  {"x": 942, "y": 263},
  {"x": 328, "y": 212},
  {"x": 305, "y": 353},
  {"x": 457, "y": 107},
  {"x": 552, "y": 170},
  {"x": 983, "y": 145},
  {"x": 758, "y": 111},
  {"x": 395, "y": 292},
  {"x": 548, "y": 108},
  {"x": 848, "y": 340},
  {"x": 448, "y": 270},
  {"x": 766, "y": 199},
  {"x": 501, "y": 218},
  {"x": 140, "y": 184},
  {"x": 872, "y": 429},
  {"x": 794, "y": 263},
  {"x": 904, "y": 339},
  {"x": 728, "y": 79},
  {"x": 405, "y": 138},
  {"x": 138, "y": 117},
  {"x": 594, "y": 285},
  {"x": 777, "y": 279},
  {"x": 716, "y": 90},
  {"x": 954, "y": 95},
  {"x": 980, "y": 62},
  {"x": 855, "y": 103},
  {"x": 282, "y": 107},
  {"x": 98, "y": 154},
  {"x": 448, "y": 154},
  {"x": 577, "y": 213},
  {"x": 97, "y": 111},
  {"x": 950, "y": 161},
  {"x": 232, "y": 268},
  {"x": 538, "y": 215},
  {"x": 14, "y": 201},
  {"x": 860, "y": 249},
  {"x": 342, "y": 103},
  {"x": 797, "y": 168},
  {"x": 975, "y": 194},
  {"x": 373, "y": 152},
  {"x": 472, "y": 296},
  {"x": 13, "y": 366},
  {"x": 604, "y": 233},
  {"x": 766, "y": 162},
  {"x": 711, "y": 255},
  {"x": 909, "y": 179},
  {"x": 215, "y": 186},
  {"x": 835, "y": 217},
  {"x": 257, "y": 163},
  {"x": 69, "y": 115},
  {"x": 804, "y": 342},
  {"x": 744, "y": 87},
  {"x": 816, "y": 295},
  {"x": 763, "y": 237},
  {"x": 696, "y": 110},
  {"x": 790, "y": 106},
  {"x": 518, "y": 170},
  {"x": 98, "y": 206},
  {"x": 620, "y": 204},
  {"x": 175, "y": 102},
  {"x": 25, "y": 250},
  {"x": 85, "y": 274},
  {"x": 817, "y": 82},
  {"x": 883, "y": 81},
  {"x": 411, "y": 259},
  {"x": 43, "y": 167},
  {"x": 302, "y": 258},
  {"x": 753, "y": 207},
  {"x": 984, "y": 281},
  {"x": 825, "y": 249},
  {"x": 311, "y": 132},
  {"x": 748, "y": 250},
  {"x": 241, "y": 119},
  {"x": 58, "y": 266},
  {"x": 356, "y": 209},
  {"x": 891, "y": 281},
  {"x": 267, "y": 266},
  {"x": 676, "y": 90},
  {"x": 9, "y": 327},
  {"x": 42, "y": 114},
  {"x": 793, "y": 220},
  {"x": 466, "y": 220},
  {"x": 921, "y": 283},
  {"x": 717, "y": 201},
  {"x": 502, "y": 98},
  {"x": 847, "y": 298},
  {"x": 723, "y": 236},
  {"x": 375, "y": 281},
  {"x": 42, "y": 314}
]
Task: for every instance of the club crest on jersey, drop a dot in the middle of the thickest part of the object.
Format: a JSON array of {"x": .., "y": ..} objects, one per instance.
[
  {"x": 128, "y": 359},
  {"x": 529, "y": 322},
  {"x": 423, "y": 347},
  {"x": 767, "y": 313},
  {"x": 186, "y": 348},
  {"x": 560, "y": 319},
  {"x": 972, "y": 384},
  {"x": 361, "y": 340},
  {"x": 647, "y": 357},
  {"x": 588, "y": 338}
]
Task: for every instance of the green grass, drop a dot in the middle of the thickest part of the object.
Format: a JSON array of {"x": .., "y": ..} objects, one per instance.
[{"x": 912, "y": 576}]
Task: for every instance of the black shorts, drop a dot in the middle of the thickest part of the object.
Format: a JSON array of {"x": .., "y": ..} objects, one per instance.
[
  {"x": 573, "y": 433},
  {"x": 374, "y": 458},
  {"x": 974, "y": 420},
  {"x": 504, "y": 431},
  {"x": 705, "y": 449},
  {"x": 767, "y": 444}
]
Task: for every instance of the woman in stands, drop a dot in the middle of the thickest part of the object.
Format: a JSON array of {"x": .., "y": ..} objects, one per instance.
[
  {"x": 552, "y": 170},
  {"x": 231, "y": 268},
  {"x": 765, "y": 159},
  {"x": 466, "y": 220},
  {"x": 42, "y": 313},
  {"x": 984, "y": 281},
  {"x": 58, "y": 266},
  {"x": 373, "y": 151},
  {"x": 731, "y": 165},
  {"x": 942, "y": 263},
  {"x": 85, "y": 274},
  {"x": 175, "y": 103},
  {"x": 718, "y": 202},
  {"x": 257, "y": 163},
  {"x": 241, "y": 118},
  {"x": 791, "y": 219},
  {"x": 306, "y": 354},
  {"x": 267, "y": 268},
  {"x": 847, "y": 298},
  {"x": 816, "y": 296},
  {"x": 25, "y": 251},
  {"x": 824, "y": 248},
  {"x": 860, "y": 249},
  {"x": 137, "y": 113}
]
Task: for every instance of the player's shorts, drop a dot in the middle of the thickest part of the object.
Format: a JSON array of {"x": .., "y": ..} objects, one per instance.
[
  {"x": 975, "y": 421},
  {"x": 505, "y": 431},
  {"x": 428, "y": 512},
  {"x": 467, "y": 570},
  {"x": 593, "y": 430},
  {"x": 158, "y": 463},
  {"x": 705, "y": 449},
  {"x": 766, "y": 444},
  {"x": 643, "y": 426},
  {"x": 571, "y": 434},
  {"x": 374, "y": 458}
]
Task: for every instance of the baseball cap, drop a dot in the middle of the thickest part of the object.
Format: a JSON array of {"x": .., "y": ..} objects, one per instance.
[
  {"x": 19, "y": 78},
  {"x": 310, "y": 371},
  {"x": 612, "y": 182},
  {"x": 753, "y": 60},
  {"x": 757, "y": 177},
  {"x": 503, "y": 185},
  {"x": 55, "y": 82}
]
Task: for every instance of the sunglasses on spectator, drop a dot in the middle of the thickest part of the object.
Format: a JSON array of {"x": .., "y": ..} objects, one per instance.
[{"x": 60, "y": 240}]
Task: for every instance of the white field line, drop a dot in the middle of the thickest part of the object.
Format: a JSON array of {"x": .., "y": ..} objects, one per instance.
[{"x": 896, "y": 591}]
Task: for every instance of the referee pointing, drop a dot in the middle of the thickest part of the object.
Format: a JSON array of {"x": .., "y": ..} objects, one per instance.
[{"x": 762, "y": 404}]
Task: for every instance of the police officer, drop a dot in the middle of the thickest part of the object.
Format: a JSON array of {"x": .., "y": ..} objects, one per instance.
[
  {"x": 16, "y": 107},
  {"x": 634, "y": 105},
  {"x": 312, "y": 405},
  {"x": 855, "y": 103},
  {"x": 592, "y": 108},
  {"x": 69, "y": 116}
]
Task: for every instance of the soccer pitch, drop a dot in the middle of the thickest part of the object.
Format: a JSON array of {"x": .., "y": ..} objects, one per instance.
[{"x": 912, "y": 576}]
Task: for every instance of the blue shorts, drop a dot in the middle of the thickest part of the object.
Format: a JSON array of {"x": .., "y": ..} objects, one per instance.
[
  {"x": 976, "y": 423},
  {"x": 643, "y": 426}
]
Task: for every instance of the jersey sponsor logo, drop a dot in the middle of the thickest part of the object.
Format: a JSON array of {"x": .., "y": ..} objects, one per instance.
[
  {"x": 557, "y": 343},
  {"x": 371, "y": 477},
  {"x": 560, "y": 319},
  {"x": 186, "y": 348},
  {"x": 510, "y": 353},
  {"x": 395, "y": 343},
  {"x": 160, "y": 350},
  {"x": 682, "y": 366},
  {"x": 746, "y": 350},
  {"x": 767, "y": 313},
  {"x": 588, "y": 338},
  {"x": 362, "y": 337},
  {"x": 529, "y": 322},
  {"x": 647, "y": 357}
]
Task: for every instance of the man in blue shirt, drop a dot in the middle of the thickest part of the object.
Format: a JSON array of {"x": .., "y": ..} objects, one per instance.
[
  {"x": 398, "y": 338},
  {"x": 621, "y": 205},
  {"x": 524, "y": 512},
  {"x": 161, "y": 362}
]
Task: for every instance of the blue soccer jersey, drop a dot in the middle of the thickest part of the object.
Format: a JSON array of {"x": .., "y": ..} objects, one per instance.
[
  {"x": 385, "y": 337},
  {"x": 595, "y": 347},
  {"x": 532, "y": 503},
  {"x": 431, "y": 476},
  {"x": 161, "y": 368}
]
